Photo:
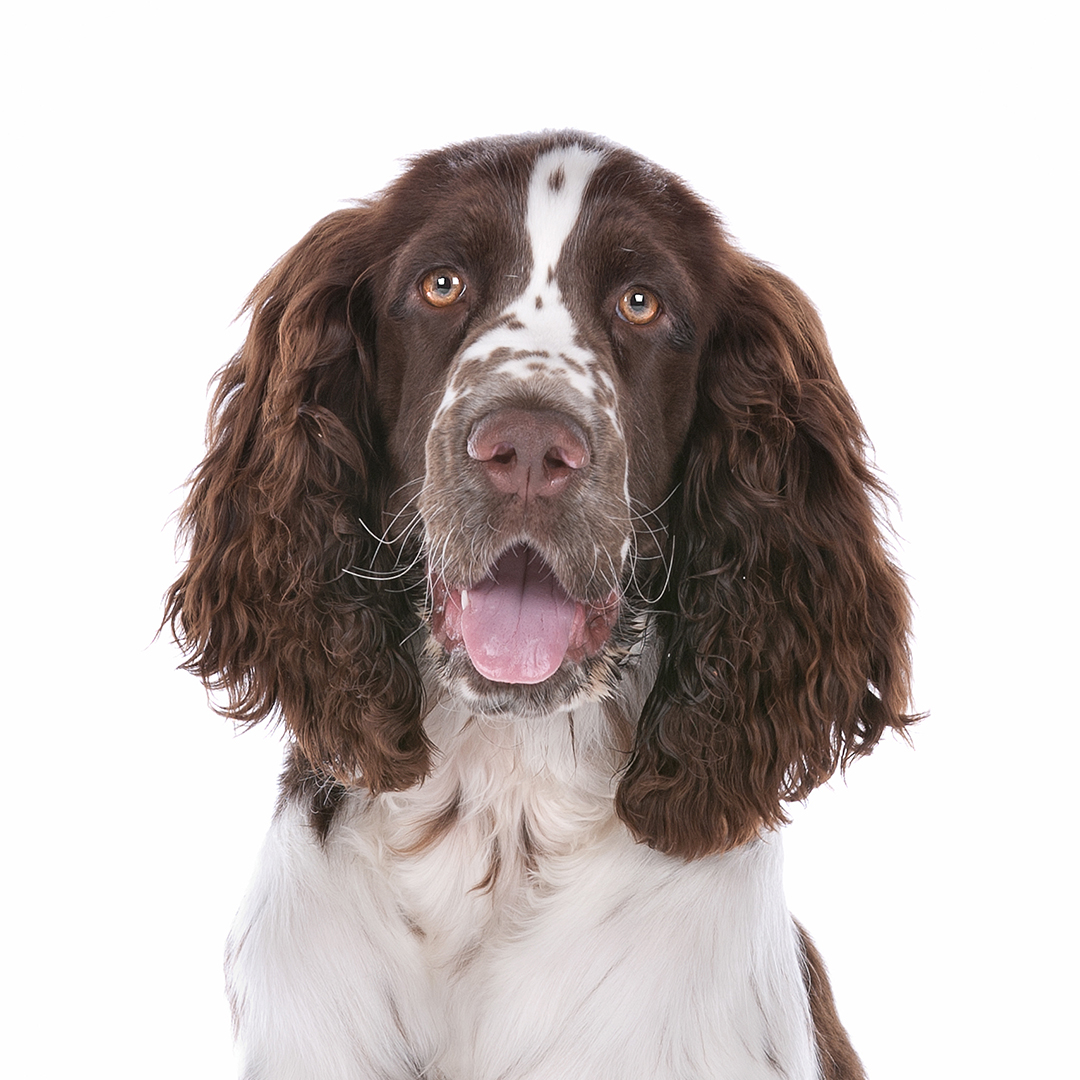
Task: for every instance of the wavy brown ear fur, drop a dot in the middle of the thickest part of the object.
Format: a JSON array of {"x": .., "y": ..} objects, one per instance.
[
  {"x": 266, "y": 609},
  {"x": 786, "y": 639}
]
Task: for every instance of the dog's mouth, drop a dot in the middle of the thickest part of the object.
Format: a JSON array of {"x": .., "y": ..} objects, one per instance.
[{"x": 519, "y": 624}]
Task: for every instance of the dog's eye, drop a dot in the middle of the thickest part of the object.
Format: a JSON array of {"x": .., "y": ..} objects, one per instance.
[
  {"x": 442, "y": 287},
  {"x": 638, "y": 306}
]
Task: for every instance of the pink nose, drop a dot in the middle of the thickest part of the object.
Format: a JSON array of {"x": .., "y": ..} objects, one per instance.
[{"x": 528, "y": 452}]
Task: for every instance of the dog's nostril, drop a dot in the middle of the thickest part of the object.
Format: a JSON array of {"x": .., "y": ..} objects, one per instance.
[{"x": 556, "y": 459}]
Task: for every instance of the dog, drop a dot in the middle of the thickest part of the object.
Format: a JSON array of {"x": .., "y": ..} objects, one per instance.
[{"x": 538, "y": 514}]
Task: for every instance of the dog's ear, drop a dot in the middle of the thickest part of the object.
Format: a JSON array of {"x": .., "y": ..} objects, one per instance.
[
  {"x": 786, "y": 623},
  {"x": 284, "y": 505}
]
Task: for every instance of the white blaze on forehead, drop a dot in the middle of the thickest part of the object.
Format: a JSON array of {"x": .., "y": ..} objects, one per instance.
[
  {"x": 557, "y": 186},
  {"x": 539, "y": 320},
  {"x": 537, "y": 331}
]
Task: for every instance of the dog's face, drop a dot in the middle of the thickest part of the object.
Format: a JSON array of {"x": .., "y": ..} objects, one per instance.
[
  {"x": 532, "y": 393},
  {"x": 538, "y": 338}
]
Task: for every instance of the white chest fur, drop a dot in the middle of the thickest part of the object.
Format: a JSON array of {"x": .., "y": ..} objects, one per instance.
[{"x": 499, "y": 921}]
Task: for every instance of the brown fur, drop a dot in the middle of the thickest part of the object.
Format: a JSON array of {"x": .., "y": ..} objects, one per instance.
[
  {"x": 784, "y": 626},
  {"x": 835, "y": 1052},
  {"x": 265, "y": 607},
  {"x": 787, "y": 628}
]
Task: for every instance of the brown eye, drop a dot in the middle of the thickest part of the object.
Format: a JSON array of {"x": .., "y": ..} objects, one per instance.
[
  {"x": 638, "y": 306},
  {"x": 441, "y": 288}
]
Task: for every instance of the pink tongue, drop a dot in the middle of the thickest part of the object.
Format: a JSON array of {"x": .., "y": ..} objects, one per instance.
[{"x": 517, "y": 623}]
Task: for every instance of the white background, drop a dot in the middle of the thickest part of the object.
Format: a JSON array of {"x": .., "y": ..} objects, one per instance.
[{"x": 910, "y": 165}]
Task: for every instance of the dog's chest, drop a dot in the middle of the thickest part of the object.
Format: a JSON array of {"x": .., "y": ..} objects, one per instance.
[
  {"x": 491, "y": 838},
  {"x": 537, "y": 916}
]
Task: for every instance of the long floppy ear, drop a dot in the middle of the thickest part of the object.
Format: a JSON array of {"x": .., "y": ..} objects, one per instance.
[
  {"x": 266, "y": 609},
  {"x": 786, "y": 624}
]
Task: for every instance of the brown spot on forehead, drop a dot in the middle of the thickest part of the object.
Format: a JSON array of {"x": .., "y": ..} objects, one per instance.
[
  {"x": 574, "y": 365},
  {"x": 557, "y": 179},
  {"x": 509, "y": 321}
]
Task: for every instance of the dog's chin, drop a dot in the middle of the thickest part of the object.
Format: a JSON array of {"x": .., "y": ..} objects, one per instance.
[{"x": 572, "y": 685}]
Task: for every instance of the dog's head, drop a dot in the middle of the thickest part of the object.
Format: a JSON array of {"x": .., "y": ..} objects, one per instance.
[{"x": 521, "y": 414}]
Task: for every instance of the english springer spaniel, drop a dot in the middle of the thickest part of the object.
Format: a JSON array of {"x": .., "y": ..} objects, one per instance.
[{"x": 537, "y": 512}]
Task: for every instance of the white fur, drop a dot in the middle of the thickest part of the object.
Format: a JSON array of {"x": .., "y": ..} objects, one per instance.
[
  {"x": 532, "y": 939},
  {"x": 586, "y": 956},
  {"x": 538, "y": 327},
  {"x": 553, "y": 210},
  {"x": 325, "y": 978}
]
